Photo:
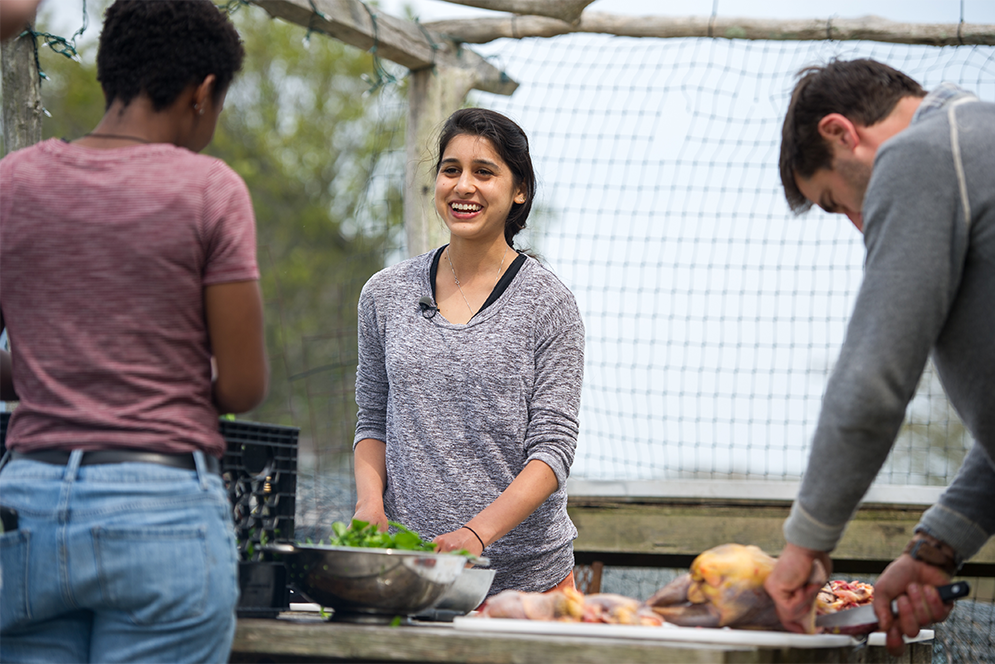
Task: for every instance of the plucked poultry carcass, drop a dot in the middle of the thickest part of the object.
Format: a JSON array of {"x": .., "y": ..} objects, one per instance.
[
  {"x": 569, "y": 606},
  {"x": 725, "y": 588},
  {"x": 566, "y": 605}
]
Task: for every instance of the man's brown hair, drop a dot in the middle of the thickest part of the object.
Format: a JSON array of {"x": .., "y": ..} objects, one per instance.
[{"x": 863, "y": 91}]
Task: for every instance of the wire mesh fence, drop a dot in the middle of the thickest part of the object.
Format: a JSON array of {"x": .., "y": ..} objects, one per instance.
[{"x": 713, "y": 314}]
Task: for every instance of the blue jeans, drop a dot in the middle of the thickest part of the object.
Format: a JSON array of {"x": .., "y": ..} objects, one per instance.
[{"x": 130, "y": 562}]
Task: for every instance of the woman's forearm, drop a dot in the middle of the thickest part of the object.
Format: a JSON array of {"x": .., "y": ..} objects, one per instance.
[
  {"x": 371, "y": 473},
  {"x": 524, "y": 495}
]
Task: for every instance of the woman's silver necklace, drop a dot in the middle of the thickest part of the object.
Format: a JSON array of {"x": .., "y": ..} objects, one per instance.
[{"x": 456, "y": 279}]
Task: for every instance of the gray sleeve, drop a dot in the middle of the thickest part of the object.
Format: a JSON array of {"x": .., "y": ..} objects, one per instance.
[
  {"x": 916, "y": 247},
  {"x": 371, "y": 372},
  {"x": 963, "y": 517},
  {"x": 555, "y": 401}
]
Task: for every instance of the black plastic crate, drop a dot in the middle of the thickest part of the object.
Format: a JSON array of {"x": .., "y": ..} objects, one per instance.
[{"x": 260, "y": 473}]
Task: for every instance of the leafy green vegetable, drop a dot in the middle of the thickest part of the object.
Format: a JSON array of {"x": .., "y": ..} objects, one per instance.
[{"x": 365, "y": 535}]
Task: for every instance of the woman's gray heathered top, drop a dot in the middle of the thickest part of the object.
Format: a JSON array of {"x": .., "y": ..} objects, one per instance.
[{"x": 463, "y": 409}]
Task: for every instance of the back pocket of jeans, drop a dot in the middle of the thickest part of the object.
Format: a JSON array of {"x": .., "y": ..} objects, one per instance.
[
  {"x": 157, "y": 575},
  {"x": 14, "y": 608}
]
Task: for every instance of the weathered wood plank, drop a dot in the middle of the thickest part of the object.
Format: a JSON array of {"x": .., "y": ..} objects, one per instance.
[
  {"x": 433, "y": 95},
  {"x": 876, "y": 533},
  {"x": 564, "y": 10},
  {"x": 403, "y": 42},
  {"x": 872, "y": 28},
  {"x": 285, "y": 640},
  {"x": 22, "y": 107},
  {"x": 305, "y": 638}
]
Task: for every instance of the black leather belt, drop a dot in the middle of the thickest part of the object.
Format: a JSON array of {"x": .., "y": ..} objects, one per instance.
[{"x": 61, "y": 458}]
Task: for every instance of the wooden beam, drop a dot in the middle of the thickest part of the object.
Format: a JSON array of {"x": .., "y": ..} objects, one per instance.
[
  {"x": 403, "y": 42},
  {"x": 21, "y": 91},
  {"x": 871, "y": 28},
  {"x": 22, "y": 108},
  {"x": 433, "y": 95},
  {"x": 564, "y": 10},
  {"x": 686, "y": 527},
  {"x": 640, "y": 491}
]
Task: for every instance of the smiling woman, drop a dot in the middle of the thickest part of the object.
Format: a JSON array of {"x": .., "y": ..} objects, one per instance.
[{"x": 468, "y": 397}]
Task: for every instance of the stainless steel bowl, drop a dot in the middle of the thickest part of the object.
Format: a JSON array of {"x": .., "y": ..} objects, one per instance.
[
  {"x": 469, "y": 590},
  {"x": 462, "y": 597},
  {"x": 371, "y": 583}
]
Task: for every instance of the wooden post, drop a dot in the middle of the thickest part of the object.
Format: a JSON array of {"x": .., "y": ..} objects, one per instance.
[
  {"x": 22, "y": 109},
  {"x": 433, "y": 95}
]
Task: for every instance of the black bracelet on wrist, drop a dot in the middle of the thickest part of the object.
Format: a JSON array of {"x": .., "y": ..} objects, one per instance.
[{"x": 482, "y": 547}]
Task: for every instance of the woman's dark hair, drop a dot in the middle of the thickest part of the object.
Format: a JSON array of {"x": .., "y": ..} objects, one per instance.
[
  {"x": 159, "y": 47},
  {"x": 511, "y": 144},
  {"x": 863, "y": 91}
]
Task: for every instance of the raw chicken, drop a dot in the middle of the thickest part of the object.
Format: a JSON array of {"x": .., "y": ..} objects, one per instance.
[
  {"x": 618, "y": 610},
  {"x": 725, "y": 588},
  {"x": 566, "y": 605},
  {"x": 569, "y": 606}
]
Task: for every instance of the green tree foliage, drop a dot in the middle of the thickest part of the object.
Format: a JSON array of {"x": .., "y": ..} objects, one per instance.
[{"x": 319, "y": 153}]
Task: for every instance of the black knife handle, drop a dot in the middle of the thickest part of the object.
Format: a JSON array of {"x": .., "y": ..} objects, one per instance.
[
  {"x": 947, "y": 593},
  {"x": 953, "y": 591}
]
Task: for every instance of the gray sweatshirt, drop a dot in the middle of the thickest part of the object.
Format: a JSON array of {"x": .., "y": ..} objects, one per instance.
[
  {"x": 463, "y": 408},
  {"x": 929, "y": 286}
]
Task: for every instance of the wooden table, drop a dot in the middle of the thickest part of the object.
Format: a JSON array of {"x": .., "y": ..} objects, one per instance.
[{"x": 306, "y": 637}]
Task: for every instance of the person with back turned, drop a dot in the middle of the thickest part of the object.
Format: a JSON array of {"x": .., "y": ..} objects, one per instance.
[
  {"x": 915, "y": 173},
  {"x": 127, "y": 269}
]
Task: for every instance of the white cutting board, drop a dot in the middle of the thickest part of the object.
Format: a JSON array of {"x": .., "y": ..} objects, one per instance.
[{"x": 666, "y": 632}]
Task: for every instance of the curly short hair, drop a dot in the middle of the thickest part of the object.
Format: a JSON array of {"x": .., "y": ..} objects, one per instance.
[
  {"x": 159, "y": 47},
  {"x": 511, "y": 143},
  {"x": 863, "y": 91}
]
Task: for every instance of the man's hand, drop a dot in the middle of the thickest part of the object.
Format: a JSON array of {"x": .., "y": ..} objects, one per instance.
[
  {"x": 791, "y": 587},
  {"x": 913, "y": 585}
]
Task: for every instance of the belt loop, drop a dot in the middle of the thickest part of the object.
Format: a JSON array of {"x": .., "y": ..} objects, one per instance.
[
  {"x": 5, "y": 459},
  {"x": 201, "y": 463},
  {"x": 72, "y": 468}
]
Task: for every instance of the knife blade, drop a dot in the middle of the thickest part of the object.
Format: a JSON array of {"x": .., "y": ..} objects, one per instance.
[{"x": 864, "y": 615}]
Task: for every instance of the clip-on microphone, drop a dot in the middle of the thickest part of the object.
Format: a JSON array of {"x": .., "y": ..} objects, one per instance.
[{"x": 428, "y": 308}]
